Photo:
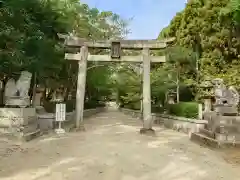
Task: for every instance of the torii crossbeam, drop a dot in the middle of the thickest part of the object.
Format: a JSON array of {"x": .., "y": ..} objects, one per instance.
[{"x": 115, "y": 56}]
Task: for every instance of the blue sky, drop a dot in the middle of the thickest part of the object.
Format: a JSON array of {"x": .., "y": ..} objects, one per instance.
[{"x": 149, "y": 16}]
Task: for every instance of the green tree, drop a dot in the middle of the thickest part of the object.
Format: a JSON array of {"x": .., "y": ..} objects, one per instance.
[
  {"x": 212, "y": 27},
  {"x": 29, "y": 40}
]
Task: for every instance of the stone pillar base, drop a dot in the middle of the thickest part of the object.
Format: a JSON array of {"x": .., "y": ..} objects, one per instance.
[
  {"x": 81, "y": 128},
  {"x": 150, "y": 132}
]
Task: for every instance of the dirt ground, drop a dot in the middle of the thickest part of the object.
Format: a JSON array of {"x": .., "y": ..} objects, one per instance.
[{"x": 113, "y": 149}]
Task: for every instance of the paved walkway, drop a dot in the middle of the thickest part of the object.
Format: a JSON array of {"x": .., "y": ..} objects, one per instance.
[{"x": 112, "y": 149}]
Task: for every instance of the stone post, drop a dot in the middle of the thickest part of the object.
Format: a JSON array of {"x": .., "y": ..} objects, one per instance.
[
  {"x": 147, "y": 115},
  {"x": 207, "y": 105},
  {"x": 200, "y": 111},
  {"x": 81, "y": 83}
]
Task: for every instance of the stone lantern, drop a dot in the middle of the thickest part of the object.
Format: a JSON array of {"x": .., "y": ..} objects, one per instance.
[
  {"x": 1, "y": 92},
  {"x": 171, "y": 98},
  {"x": 207, "y": 95},
  {"x": 38, "y": 96}
]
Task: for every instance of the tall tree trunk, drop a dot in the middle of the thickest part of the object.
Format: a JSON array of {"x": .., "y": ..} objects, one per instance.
[
  {"x": 141, "y": 89},
  {"x": 166, "y": 97},
  {"x": 1, "y": 93},
  {"x": 198, "y": 50},
  {"x": 178, "y": 86},
  {"x": 34, "y": 88}
]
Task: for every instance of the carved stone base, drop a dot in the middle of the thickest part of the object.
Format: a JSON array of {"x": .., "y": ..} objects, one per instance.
[
  {"x": 204, "y": 140},
  {"x": 226, "y": 110},
  {"x": 20, "y": 123},
  {"x": 150, "y": 132},
  {"x": 16, "y": 101}
]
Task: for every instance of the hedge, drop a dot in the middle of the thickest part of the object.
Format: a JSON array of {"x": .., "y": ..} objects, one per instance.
[
  {"x": 157, "y": 109},
  {"x": 184, "y": 109},
  {"x": 133, "y": 106}
]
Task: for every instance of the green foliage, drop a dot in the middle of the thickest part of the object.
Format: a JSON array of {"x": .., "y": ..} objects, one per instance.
[
  {"x": 181, "y": 56},
  {"x": 93, "y": 104},
  {"x": 165, "y": 78},
  {"x": 232, "y": 10},
  {"x": 127, "y": 84},
  {"x": 184, "y": 109},
  {"x": 211, "y": 29},
  {"x": 157, "y": 109},
  {"x": 134, "y": 106},
  {"x": 29, "y": 41},
  {"x": 28, "y": 37}
]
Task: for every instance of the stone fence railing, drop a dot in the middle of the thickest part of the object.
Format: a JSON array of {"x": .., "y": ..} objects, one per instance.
[
  {"x": 182, "y": 124},
  {"x": 137, "y": 114}
]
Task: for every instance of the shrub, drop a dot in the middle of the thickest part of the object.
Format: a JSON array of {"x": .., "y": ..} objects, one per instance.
[
  {"x": 93, "y": 104},
  {"x": 137, "y": 106},
  {"x": 157, "y": 109},
  {"x": 184, "y": 109},
  {"x": 133, "y": 106}
]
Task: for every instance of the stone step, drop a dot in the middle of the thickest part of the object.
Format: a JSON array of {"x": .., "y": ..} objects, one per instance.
[
  {"x": 202, "y": 139},
  {"x": 30, "y": 128},
  {"x": 20, "y": 135},
  {"x": 226, "y": 110},
  {"x": 211, "y": 142},
  {"x": 228, "y": 128},
  {"x": 223, "y": 136},
  {"x": 232, "y": 137},
  {"x": 40, "y": 110},
  {"x": 207, "y": 133},
  {"x": 229, "y": 120},
  {"x": 31, "y": 135}
]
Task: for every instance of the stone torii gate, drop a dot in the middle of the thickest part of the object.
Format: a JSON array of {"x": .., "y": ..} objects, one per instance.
[{"x": 115, "y": 55}]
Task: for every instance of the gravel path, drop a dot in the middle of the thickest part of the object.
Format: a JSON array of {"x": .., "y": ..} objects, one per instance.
[{"x": 112, "y": 149}]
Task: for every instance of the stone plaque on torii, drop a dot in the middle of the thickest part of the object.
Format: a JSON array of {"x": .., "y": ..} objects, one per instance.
[{"x": 115, "y": 55}]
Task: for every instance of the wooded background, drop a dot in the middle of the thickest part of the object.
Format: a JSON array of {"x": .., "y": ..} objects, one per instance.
[{"x": 207, "y": 46}]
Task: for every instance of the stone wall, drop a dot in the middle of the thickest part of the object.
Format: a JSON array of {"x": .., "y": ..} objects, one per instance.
[
  {"x": 25, "y": 123},
  {"x": 182, "y": 124},
  {"x": 18, "y": 122},
  {"x": 47, "y": 121}
]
